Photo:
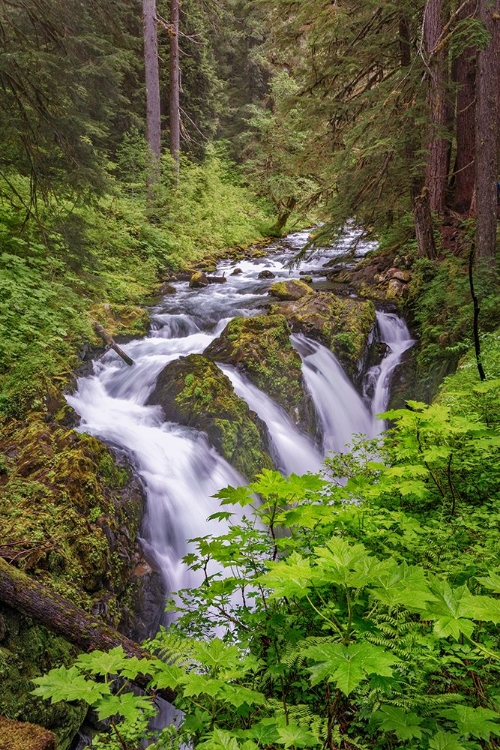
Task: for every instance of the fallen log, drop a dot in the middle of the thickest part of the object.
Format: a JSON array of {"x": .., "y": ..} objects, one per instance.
[
  {"x": 109, "y": 340},
  {"x": 53, "y": 611}
]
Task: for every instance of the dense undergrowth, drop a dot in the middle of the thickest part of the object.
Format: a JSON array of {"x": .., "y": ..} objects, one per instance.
[
  {"x": 56, "y": 267},
  {"x": 356, "y": 613}
]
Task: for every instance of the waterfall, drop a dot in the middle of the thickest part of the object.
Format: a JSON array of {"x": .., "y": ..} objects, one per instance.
[
  {"x": 395, "y": 335},
  {"x": 179, "y": 471}
]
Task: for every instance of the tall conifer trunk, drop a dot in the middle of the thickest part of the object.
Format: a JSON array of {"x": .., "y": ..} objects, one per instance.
[
  {"x": 465, "y": 78},
  {"x": 437, "y": 145},
  {"x": 175, "y": 147},
  {"x": 152, "y": 75},
  {"x": 488, "y": 80}
]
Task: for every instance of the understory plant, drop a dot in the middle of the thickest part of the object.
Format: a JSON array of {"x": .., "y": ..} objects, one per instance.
[{"x": 356, "y": 609}]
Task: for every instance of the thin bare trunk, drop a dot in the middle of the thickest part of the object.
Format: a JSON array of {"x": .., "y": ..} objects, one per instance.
[
  {"x": 175, "y": 125},
  {"x": 153, "y": 117},
  {"x": 488, "y": 74}
]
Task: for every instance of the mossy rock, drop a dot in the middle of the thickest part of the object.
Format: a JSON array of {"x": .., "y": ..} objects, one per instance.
[
  {"x": 290, "y": 290},
  {"x": 15, "y": 735},
  {"x": 260, "y": 347},
  {"x": 341, "y": 324},
  {"x": 194, "y": 392},
  {"x": 26, "y": 651},
  {"x": 121, "y": 320}
]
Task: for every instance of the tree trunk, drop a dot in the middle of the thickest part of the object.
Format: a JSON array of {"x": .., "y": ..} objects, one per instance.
[
  {"x": 488, "y": 70},
  {"x": 175, "y": 124},
  {"x": 33, "y": 599},
  {"x": 152, "y": 74},
  {"x": 436, "y": 171},
  {"x": 465, "y": 77},
  {"x": 423, "y": 226}
]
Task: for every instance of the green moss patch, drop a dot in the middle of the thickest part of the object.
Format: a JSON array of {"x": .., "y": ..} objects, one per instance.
[
  {"x": 261, "y": 348},
  {"x": 341, "y": 324},
  {"x": 194, "y": 392}
]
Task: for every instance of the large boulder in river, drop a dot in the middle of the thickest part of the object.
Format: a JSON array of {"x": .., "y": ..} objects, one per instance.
[
  {"x": 341, "y": 324},
  {"x": 290, "y": 290},
  {"x": 194, "y": 392},
  {"x": 260, "y": 347}
]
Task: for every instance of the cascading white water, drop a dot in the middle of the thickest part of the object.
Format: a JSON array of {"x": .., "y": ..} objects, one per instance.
[
  {"x": 178, "y": 469},
  {"x": 395, "y": 335},
  {"x": 340, "y": 409},
  {"x": 294, "y": 451}
]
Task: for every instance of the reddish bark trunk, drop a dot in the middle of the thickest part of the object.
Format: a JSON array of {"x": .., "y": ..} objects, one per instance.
[
  {"x": 465, "y": 77},
  {"x": 437, "y": 144},
  {"x": 488, "y": 75}
]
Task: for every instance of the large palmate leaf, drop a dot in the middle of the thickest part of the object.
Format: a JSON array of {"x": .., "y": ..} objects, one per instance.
[
  {"x": 63, "y": 684},
  {"x": 478, "y": 722},
  {"x": 347, "y": 666},
  {"x": 406, "y": 726}
]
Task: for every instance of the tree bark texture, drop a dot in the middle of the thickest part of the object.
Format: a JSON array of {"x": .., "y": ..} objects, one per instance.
[
  {"x": 488, "y": 80},
  {"x": 175, "y": 84},
  {"x": 436, "y": 171},
  {"x": 34, "y": 599},
  {"x": 423, "y": 226},
  {"x": 465, "y": 78},
  {"x": 153, "y": 116}
]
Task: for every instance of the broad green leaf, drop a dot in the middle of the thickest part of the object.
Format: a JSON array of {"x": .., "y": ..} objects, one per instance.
[
  {"x": 483, "y": 608},
  {"x": 478, "y": 722},
  {"x": 132, "y": 707},
  {"x": 102, "y": 662},
  {"x": 293, "y": 735},
  {"x": 449, "y": 610},
  {"x": 406, "y": 726},
  {"x": 403, "y": 584},
  {"x": 446, "y": 741},
  {"x": 238, "y": 695},
  {"x": 168, "y": 676},
  {"x": 219, "y": 739},
  {"x": 265, "y": 732},
  {"x": 290, "y": 577},
  {"x": 63, "y": 684},
  {"x": 235, "y": 496},
  {"x": 491, "y": 581},
  {"x": 347, "y": 666},
  {"x": 196, "y": 684}
]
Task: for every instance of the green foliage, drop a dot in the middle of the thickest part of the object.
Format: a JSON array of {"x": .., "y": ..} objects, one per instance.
[{"x": 359, "y": 611}]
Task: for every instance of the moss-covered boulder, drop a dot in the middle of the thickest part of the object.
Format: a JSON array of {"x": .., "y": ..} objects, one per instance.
[
  {"x": 194, "y": 392},
  {"x": 27, "y": 650},
  {"x": 260, "y": 347},
  {"x": 290, "y": 290},
  {"x": 343, "y": 325},
  {"x": 15, "y": 735}
]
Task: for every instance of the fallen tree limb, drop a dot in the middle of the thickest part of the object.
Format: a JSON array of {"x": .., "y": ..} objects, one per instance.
[
  {"x": 34, "y": 599},
  {"x": 109, "y": 340}
]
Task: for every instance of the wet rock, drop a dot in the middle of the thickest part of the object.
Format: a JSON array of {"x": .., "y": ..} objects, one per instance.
[
  {"x": 341, "y": 324},
  {"x": 167, "y": 288},
  {"x": 260, "y": 347},
  {"x": 194, "y": 392},
  {"x": 236, "y": 272},
  {"x": 216, "y": 279},
  {"x": 266, "y": 274},
  {"x": 198, "y": 280},
  {"x": 290, "y": 290}
]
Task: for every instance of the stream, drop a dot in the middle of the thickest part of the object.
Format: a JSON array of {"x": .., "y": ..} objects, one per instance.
[{"x": 178, "y": 468}]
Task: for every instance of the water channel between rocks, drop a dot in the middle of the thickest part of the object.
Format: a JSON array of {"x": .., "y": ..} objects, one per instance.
[{"x": 180, "y": 471}]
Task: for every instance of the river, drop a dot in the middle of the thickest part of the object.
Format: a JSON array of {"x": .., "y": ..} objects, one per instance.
[{"x": 179, "y": 470}]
